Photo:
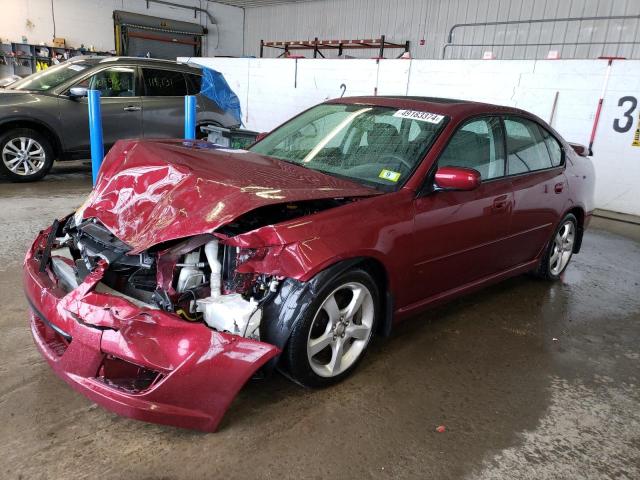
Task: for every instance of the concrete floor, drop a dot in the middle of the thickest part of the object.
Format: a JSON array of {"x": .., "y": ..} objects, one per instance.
[{"x": 532, "y": 380}]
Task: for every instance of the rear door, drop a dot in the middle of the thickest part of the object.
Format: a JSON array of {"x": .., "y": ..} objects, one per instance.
[
  {"x": 163, "y": 103},
  {"x": 535, "y": 164},
  {"x": 120, "y": 104},
  {"x": 460, "y": 236}
]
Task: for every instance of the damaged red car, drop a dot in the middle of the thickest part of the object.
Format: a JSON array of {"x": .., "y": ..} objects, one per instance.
[{"x": 191, "y": 268}]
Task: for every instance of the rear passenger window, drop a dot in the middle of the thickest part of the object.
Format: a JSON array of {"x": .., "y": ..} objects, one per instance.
[
  {"x": 164, "y": 83},
  {"x": 478, "y": 145},
  {"x": 526, "y": 148}
]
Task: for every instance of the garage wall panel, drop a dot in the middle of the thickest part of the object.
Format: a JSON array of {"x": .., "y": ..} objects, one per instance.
[
  {"x": 430, "y": 20},
  {"x": 578, "y": 84},
  {"x": 393, "y": 77},
  {"x": 269, "y": 102},
  {"x": 617, "y": 161},
  {"x": 493, "y": 82}
]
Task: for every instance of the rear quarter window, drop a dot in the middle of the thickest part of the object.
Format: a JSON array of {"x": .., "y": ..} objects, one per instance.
[{"x": 555, "y": 150}]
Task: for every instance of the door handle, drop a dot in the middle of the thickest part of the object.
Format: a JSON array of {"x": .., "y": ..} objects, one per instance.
[
  {"x": 559, "y": 187},
  {"x": 500, "y": 203},
  {"x": 131, "y": 108}
]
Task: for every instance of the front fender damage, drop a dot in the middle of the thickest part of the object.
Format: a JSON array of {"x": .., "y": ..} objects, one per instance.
[
  {"x": 293, "y": 298},
  {"x": 299, "y": 260}
]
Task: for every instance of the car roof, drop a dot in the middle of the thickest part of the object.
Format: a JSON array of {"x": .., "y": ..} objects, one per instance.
[
  {"x": 451, "y": 107},
  {"x": 141, "y": 61}
]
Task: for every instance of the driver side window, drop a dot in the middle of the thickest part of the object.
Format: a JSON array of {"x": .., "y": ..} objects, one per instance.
[
  {"x": 112, "y": 82},
  {"x": 479, "y": 145}
]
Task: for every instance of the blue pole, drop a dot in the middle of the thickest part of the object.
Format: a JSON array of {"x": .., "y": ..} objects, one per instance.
[
  {"x": 95, "y": 133},
  {"x": 190, "y": 117}
]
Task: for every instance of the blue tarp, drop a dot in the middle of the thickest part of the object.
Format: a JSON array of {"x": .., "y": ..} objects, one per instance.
[{"x": 216, "y": 88}]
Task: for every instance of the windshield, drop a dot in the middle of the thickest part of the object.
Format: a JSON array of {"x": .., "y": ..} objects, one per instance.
[
  {"x": 51, "y": 77},
  {"x": 372, "y": 145}
]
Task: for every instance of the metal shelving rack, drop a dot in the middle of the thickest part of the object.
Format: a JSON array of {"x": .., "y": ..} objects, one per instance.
[
  {"x": 340, "y": 45},
  {"x": 23, "y": 59}
]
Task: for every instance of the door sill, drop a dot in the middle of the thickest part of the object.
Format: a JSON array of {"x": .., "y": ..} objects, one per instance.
[{"x": 445, "y": 296}]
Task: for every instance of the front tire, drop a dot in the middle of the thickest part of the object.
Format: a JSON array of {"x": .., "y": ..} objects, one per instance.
[
  {"x": 334, "y": 332},
  {"x": 25, "y": 155},
  {"x": 560, "y": 249}
]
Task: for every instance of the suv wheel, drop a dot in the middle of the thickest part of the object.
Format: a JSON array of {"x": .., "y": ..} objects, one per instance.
[{"x": 25, "y": 155}]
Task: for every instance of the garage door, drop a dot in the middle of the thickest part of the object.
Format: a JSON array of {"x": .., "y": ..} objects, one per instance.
[{"x": 145, "y": 36}]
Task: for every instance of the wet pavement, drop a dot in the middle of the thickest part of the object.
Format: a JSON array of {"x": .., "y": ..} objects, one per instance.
[{"x": 531, "y": 380}]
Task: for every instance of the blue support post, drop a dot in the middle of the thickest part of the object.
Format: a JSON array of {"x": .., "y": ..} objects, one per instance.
[
  {"x": 190, "y": 117},
  {"x": 95, "y": 133}
]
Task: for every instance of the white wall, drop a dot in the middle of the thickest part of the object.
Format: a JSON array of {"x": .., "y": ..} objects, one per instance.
[
  {"x": 273, "y": 90},
  {"x": 90, "y": 22}
]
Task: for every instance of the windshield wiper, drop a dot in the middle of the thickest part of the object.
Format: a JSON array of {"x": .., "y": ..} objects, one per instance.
[{"x": 359, "y": 181}]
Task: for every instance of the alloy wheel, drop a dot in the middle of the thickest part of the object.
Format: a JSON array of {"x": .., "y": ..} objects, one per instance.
[
  {"x": 341, "y": 329},
  {"x": 562, "y": 248},
  {"x": 23, "y": 156}
]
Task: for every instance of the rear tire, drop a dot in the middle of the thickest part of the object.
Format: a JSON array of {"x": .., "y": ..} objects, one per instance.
[
  {"x": 559, "y": 250},
  {"x": 25, "y": 155},
  {"x": 332, "y": 336}
]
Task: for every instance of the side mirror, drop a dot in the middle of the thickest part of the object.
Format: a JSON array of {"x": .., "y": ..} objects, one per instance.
[
  {"x": 77, "y": 92},
  {"x": 457, "y": 178},
  {"x": 261, "y": 135}
]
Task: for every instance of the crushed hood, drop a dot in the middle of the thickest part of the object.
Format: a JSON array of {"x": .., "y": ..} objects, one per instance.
[{"x": 150, "y": 192}]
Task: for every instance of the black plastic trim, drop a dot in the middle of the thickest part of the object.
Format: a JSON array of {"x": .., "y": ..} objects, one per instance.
[{"x": 44, "y": 319}]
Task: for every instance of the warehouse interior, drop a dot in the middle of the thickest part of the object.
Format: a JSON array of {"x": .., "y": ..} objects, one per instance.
[{"x": 511, "y": 369}]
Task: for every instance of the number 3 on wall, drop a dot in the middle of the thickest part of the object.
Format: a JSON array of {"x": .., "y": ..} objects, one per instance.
[{"x": 624, "y": 125}]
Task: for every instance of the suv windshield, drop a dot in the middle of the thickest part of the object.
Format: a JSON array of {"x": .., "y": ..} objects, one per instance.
[
  {"x": 372, "y": 145},
  {"x": 51, "y": 77}
]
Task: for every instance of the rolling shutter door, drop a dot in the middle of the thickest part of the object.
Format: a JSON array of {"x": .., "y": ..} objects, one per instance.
[{"x": 141, "y": 35}]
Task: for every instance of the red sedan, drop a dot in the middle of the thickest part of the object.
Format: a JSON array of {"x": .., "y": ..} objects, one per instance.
[{"x": 191, "y": 267}]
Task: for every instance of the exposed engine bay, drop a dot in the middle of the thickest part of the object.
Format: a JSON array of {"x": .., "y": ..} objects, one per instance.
[{"x": 196, "y": 278}]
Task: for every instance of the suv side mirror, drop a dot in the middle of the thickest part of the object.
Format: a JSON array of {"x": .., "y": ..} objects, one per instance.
[
  {"x": 457, "y": 178},
  {"x": 77, "y": 92}
]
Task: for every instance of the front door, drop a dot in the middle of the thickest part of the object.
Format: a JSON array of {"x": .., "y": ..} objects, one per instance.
[
  {"x": 120, "y": 104},
  {"x": 460, "y": 235}
]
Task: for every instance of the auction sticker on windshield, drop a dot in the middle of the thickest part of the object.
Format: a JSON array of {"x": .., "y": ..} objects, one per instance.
[
  {"x": 389, "y": 175},
  {"x": 418, "y": 115}
]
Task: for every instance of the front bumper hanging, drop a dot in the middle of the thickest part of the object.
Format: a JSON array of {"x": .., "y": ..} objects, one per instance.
[{"x": 138, "y": 362}]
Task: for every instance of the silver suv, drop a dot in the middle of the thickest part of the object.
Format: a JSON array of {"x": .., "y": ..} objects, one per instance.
[{"x": 44, "y": 116}]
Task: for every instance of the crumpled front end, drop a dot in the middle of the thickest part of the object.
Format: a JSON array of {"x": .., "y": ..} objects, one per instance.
[{"x": 126, "y": 354}]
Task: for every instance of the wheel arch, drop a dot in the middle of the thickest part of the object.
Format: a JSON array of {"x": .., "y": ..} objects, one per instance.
[
  {"x": 380, "y": 275},
  {"x": 295, "y": 295},
  {"x": 579, "y": 213},
  {"x": 38, "y": 126}
]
